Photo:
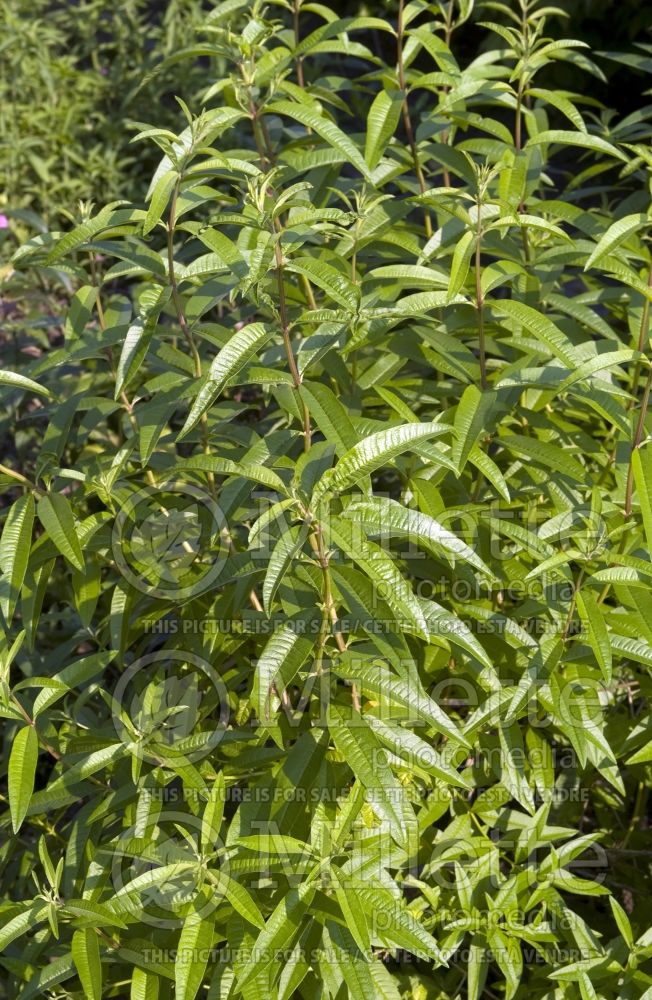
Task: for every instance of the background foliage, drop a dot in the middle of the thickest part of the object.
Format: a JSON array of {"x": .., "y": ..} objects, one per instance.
[{"x": 327, "y": 505}]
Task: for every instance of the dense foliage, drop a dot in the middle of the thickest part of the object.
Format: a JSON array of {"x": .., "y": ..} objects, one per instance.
[{"x": 327, "y": 530}]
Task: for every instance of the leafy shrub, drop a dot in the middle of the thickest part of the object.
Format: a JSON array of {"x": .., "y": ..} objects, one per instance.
[{"x": 326, "y": 550}]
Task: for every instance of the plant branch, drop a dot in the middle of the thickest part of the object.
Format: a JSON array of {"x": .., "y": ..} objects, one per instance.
[{"x": 407, "y": 121}]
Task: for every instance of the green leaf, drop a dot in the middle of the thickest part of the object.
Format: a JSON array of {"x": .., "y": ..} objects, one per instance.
[
  {"x": 545, "y": 453},
  {"x": 159, "y": 198},
  {"x": 26, "y": 921},
  {"x": 562, "y": 104},
  {"x": 213, "y": 814},
  {"x": 285, "y": 551},
  {"x": 416, "y": 753},
  {"x": 352, "y": 912},
  {"x": 96, "y": 913},
  {"x": 15, "y": 547},
  {"x": 471, "y": 418},
  {"x": 56, "y": 516},
  {"x": 415, "y": 704},
  {"x": 541, "y": 327},
  {"x": 397, "y": 925},
  {"x": 608, "y": 360},
  {"x": 381, "y": 570},
  {"x": 592, "y": 619},
  {"x": 234, "y": 355},
  {"x": 239, "y": 898},
  {"x": 137, "y": 340},
  {"x": 226, "y": 467},
  {"x": 460, "y": 264},
  {"x": 17, "y": 381},
  {"x": 382, "y": 122},
  {"x": 330, "y": 416},
  {"x": 384, "y": 516},
  {"x": 583, "y": 139},
  {"x": 361, "y": 751},
  {"x": 622, "y": 921},
  {"x": 86, "y": 956},
  {"x": 617, "y": 234},
  {"x": 144, "y": 985},
  {"x": 373, "y": 452},
  {"x": 337, "y": 286},
  {"x": 279, "y": 931},
  {"x": 281, "y": 659},
  {"x": 22, "y": 769},
  {"x": 324, "y": 128},
  {"x": 642, "y": 467},
  {"x": 193, "y": 951},
  {"x": 351, "y": 963}
]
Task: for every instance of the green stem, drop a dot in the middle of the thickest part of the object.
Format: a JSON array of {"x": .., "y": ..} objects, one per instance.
[
  {"x": 285, "y": 330},
  {"x": 639, "y": 804},
  {"x": 643, "y": 334},
  {"x": 407, "y": 121},
  {"x": 6, "y": 471},
  {"x": 30, "y": 722},
  {"x": 298, "y": 62},
  {"x": 183, "y": 322},
  {"x": 636, "y": 443},
  {"x": 518, "y": 139},
  {"x": 176, "y": 296},
  {"x": 571, "y": 609},
  {"x": 479, "y": 304}
]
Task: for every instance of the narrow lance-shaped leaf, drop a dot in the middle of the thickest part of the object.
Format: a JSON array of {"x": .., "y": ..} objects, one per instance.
[
  {"x": 14, "y": 551},
  {"x": 642, "y": 467},
  {"x": 352, "y": 912},
  {"x": 144, "y": 985},
  {"x": 471, "y": 417},
  {"x": 337, "y": 286},
  {"x": 460, "y": 264},
  {"x": 137, "y": 340},
  {"x": 285, "y": 551},
  {"x": 566, "y": 138},
  {"x": 617, "y": 234},
  {"x": 598, "y": 636},
  {"x": 283, "y": 655},
  {"x": 385, "y": 516},
  {"x": 279, "y": 931},
  {"x": 17, "y": 381},
  {"x": 381, "y": 570},
  {"x": 211, "y": 822},
  {"x": 375, "y": 451},
  {"x": 382, "y": 121},
  {"x": 541, "y": 327},
  {"x": 324, "y": 128},
  {"x": 194, "y": 948},
  {"x": 22, "y": 923},
  {"x": 562, "y": 103},
  {"x": 234, "y": 355},
  {"x": 22, "y": 770},
  {"x": 406, "y": 695},
  {"x": 56, "y": 516},
  {"x": 360, "y": 749},
  {"x": 159, "y": 199},
  {"x": 86, "y": 956}
]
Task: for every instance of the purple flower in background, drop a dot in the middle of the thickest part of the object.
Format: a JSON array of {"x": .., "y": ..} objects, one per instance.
[{"x": 4, "y": 222}]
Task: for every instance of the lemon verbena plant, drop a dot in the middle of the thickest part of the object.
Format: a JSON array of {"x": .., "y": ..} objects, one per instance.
[{"x": 327, "y": 517}]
